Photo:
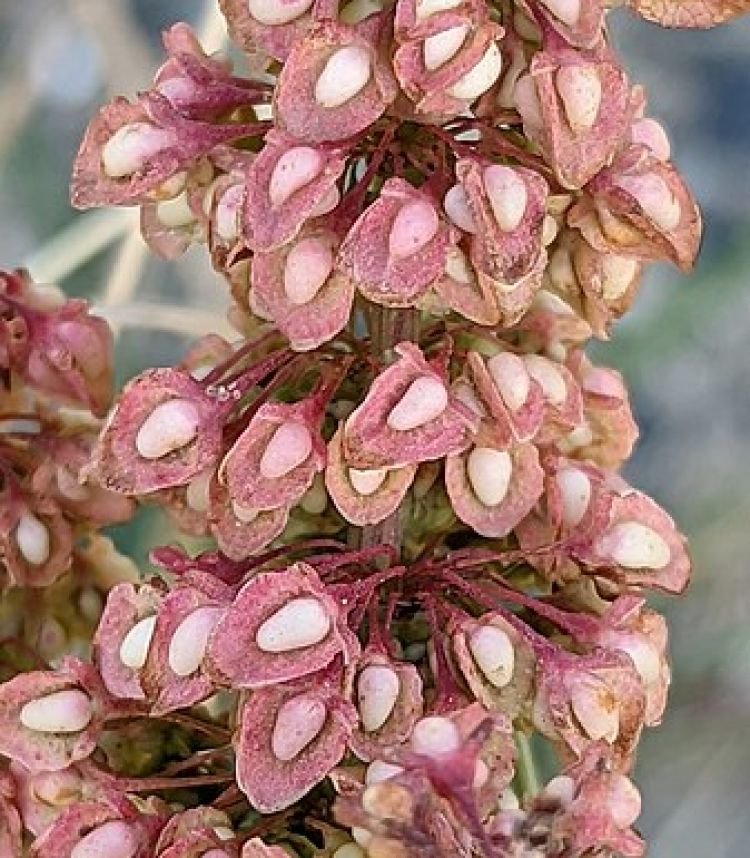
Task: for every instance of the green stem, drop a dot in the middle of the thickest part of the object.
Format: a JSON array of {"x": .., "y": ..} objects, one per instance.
[{"x": 528, "y": 778}]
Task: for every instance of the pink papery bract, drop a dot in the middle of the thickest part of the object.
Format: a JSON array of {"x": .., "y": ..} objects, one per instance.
[
  {"x": 577, "y": 152},
  {"x": 126, "y": 606},
  {"x": 192, "y": 834},
  {"x": 11, "y": 829},
  {"x": 363, "y": 509},
  {"x": 310, "y": 324},
  {"x": 167, "y": 689},
  {"x": 694, "y": 14},
  {"x": 256, "y": 848},
  {"x": 242, "y": 469},
  {"x": 406, "y": 711},
  {"x": 296, "y": 108},
  {"x": 117, "y": 462},
  {"x": 369, "y": 442},
  {"x": 272, "y": 784},
  {"x": 640, "y": 207},
  {"x": 512, "y": 698},
  {"x": 275, "y": 40},
  {"x": 396, "y": 279},
  {"x": 233, "y": 655},
  {"x": 269, "y": 223},
  {"x": 183, "y": 140},
  {"x": 524, "y": 488}
]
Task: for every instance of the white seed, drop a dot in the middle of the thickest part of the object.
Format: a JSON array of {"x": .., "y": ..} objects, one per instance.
[
  {"x": 377, "y": 691},
  {"x": 567, "y": 11},
  {"x": 367, "y": 482},
  {"x": 456, "y": 207},
  {"x": 618, "y": 272},
  {"x": 327, "y": 204},
  {"x": 642, "y": 653},
  {"x": 215, "y": 853},
  {"x": 527, "y": 102},
  {"x": 561, "y": 789},
  {"x": 458, "y": 268},
  {"x": 413, "y": 228},
  {"x": 507, "y": 194},
  {"x": 489, "y": 472},
  {"x": 379, "y": 771},
  {"x": 425, "y": 400},
  {"x": 135, "y": 644},
  {"x": 349, "y": 850},
  {"x": 224, "y": 833},
  {"x": 624, "y": 801},
  {"x": 300, "y": 623},
  {"x": 581, "y": 436},
  {"x": 549, "y": 230},
  {"x": 67, "y": 711},
  {"x": 273, "y": 13},
  {"x": 128, "y": 149},
  {"x": 346, "y": 73},
  {"x": 655, "y": 197},
  {"x": 228, "y": 210},
  {"x": 548, "y": 377},
  {"x": 604, "y": 382},
  {"x": 58, "y": 789},
  {"x": 289, "y": 447},
  {"x": 580, "y": 90},
  {"x": 363, "y": 836},
  {"x": 575, "y": 493},
  {"x": 197, "y": 491},
  {"x": 508, "y": 800},
  {"x": 296, "y": 168},
  {"x": 244, "y": 514},
  {"x": 635, "y": 546},
  {"x": 435, "y": 735},
  {"x": 441, "y": 47},
  {"x": 425, "y": 8},
  {"x": 358, "y": 10},
  {"x": 511, "y": 378},
  {"x": 170, "y": 426},
  {"x": 481, "y": 774},
  {"x": 298, "y": 722},
  {"x": 113, "y": 839},
  {"x": 479, "y": 79},
  {"x": 190, "y": 639},
  {"x": 596, "y": 709},
  {"x": 648, "y": 132},
  {"x": 69, "y": 485},
  {"x": 308, "y": 265},
  {"x": 493, "y": 652},
  {"x": 176, "y": 212},
  {"x": 33, "y": 539}
]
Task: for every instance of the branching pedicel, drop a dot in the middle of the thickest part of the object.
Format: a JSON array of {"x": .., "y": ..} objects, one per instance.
[{"x": 426, "y": 562}]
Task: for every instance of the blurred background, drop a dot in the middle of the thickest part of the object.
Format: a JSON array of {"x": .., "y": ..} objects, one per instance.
[{"x": 683, "y": 350}]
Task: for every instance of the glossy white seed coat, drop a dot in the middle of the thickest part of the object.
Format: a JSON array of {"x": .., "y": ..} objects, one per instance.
[
  {"x": 480, "y": 78},
  {"x": 548, "y": 377},
  {"x": 128, "y": 149},
  {"x": 413, "y": 228},
  {"x": 302, "y": 622},
  {"x": 228, "y": 211},
  {"x": 346, "y": 74},
  {"x": 655, "y": 197},
  {"x": 190, "y": 639},
  {"x": 425, "y": 400},
  {"x": 511, "y": 378},
  {"x": 289, "y": 447},
  {"x": 366, "y": 482},
  {"x": 170, "y": 426},
  {"x": 596, "y": 710},
  {"x": 648, "y": 132},
  {"x": 636, "y": 546},
  {"x": 308, "y": 265},
  {"x": 377, "y": 691},
  {"x": 276, "y": 12},
  {"x": 507, "y": 194},
  {"x": 176, "y": 212},
  {"x": 135, "y": 644},
  {"x": 489, "y": 472},
  {"x": 575, "y": 493},
  {"x": 435, "y": 735},
  {"x": 457, "y": 208},
  {"x": 580, "y": 90},
  {"x": 442, "y": 47},
  {"x": 567, "y": 11},
  {"x": 67, "y": 711},
  {"x": 379, "y": 771},
  {"x": 113, "y": 839},
  {"x": 425, "y": 8},
  {"x": 33, "y": 539},
  {"x": 493, "y": 652},
  {"x": 296, "y": 168},
  {"x": 298, "y": 722},
  {"x": 618, "y": 272}
]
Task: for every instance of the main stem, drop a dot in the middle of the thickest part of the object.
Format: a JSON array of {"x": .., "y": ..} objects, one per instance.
[{"x": 387, "y": 327}]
